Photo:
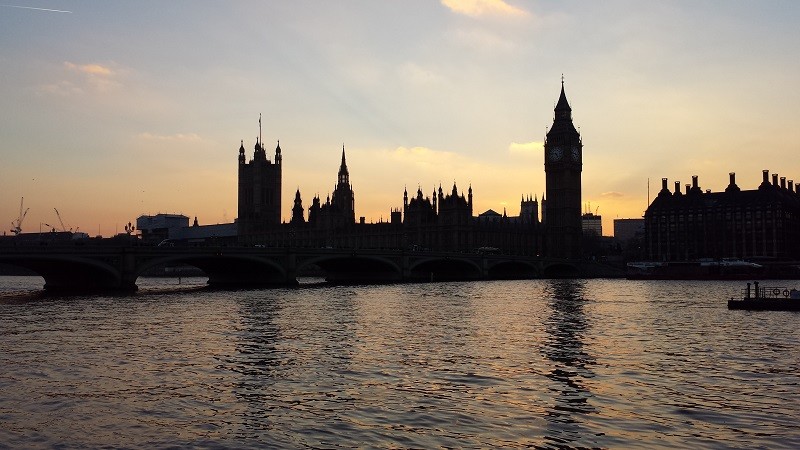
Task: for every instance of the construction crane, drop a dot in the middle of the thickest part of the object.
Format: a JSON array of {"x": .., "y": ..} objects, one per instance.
[
  {"x": 63, "y": 227},
  {"x": 18, "y": 225}
]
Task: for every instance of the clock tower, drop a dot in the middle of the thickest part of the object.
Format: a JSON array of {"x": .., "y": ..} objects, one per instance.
[{"x": 563, "y": 161}]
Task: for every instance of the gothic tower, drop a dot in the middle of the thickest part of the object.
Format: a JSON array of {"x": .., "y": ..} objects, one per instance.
[
  {"x": 259, "y": 189},
  {"x": 563, "y": 161},
  {"x": 343, "y": 197}
]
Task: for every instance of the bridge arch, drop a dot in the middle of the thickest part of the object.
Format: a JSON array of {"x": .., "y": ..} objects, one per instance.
[
  {"x": 513, "y": 270},
  {"x": 561, "y": 270},
  {"x": 70, "y": 273},
  {"x": 445, "y": 269},
  {"x": 224, "y": 270},
  {"x": 351, "y": 268}
]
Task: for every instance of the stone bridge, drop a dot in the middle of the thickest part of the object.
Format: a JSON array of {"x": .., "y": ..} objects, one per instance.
[{"x": 92, "y": 267}]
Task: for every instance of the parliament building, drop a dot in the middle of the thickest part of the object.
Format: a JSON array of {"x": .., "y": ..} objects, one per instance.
[{"x": 441, "y": 221}]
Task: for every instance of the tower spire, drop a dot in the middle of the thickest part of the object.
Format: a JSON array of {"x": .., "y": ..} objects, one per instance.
[{"x": 344, "y": 174}]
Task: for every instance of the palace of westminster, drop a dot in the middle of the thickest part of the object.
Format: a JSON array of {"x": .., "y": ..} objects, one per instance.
[
  {"x": 443, "y": 221},
  {"x": 762, "y": 223}
]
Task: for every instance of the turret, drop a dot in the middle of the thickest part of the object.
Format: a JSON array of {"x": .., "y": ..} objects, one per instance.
[
  {"x": 297, "y": 209},
  {"x": 469, "y": 199}
]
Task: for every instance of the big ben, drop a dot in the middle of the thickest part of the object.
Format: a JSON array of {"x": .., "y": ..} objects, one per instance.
[{"x": 563, "y": 162}]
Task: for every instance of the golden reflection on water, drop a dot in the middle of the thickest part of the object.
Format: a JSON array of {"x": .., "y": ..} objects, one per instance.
[{"x": 539, "y": 363}]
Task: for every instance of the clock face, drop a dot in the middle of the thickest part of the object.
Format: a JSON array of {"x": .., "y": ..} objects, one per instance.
[
  {"x": 556, "y": 153},
  {"x": 576, "y": 154}
]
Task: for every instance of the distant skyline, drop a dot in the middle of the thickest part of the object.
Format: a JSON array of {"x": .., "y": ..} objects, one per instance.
[{"x": 113, "y": 110}]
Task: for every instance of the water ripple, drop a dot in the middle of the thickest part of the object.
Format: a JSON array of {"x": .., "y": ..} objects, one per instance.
[{"x": 510, "y": 364}]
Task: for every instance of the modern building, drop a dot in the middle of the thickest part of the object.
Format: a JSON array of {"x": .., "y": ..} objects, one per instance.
[
  {"x": 175, "y": 228},
  {"x": 627, "y": 229},
  {"x": 158, "y": 227},
  {"x": 762, "y": 223},
  {"x": 591, "y": 224}
]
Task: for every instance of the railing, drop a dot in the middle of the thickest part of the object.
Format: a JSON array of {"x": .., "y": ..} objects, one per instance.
[{"x": 758, "y": 291}]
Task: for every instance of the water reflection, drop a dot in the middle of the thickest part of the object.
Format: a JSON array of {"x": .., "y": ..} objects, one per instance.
[
  {"x": 293, "y": 357},
  {"x": 564, "y": 346}
]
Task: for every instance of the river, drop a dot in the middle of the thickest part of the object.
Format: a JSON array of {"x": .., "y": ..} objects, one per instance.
[{"x": 496, "y": 364}]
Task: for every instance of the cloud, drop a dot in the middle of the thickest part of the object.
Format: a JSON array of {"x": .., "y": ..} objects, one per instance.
[
  {"x": 84, "y": 78},
  {"x": 178, "y": 137},
  {"x": 527, "y": 149},
  {"x": 89, "y": 69},
  {"x": 478, "y": 8},
  {"x": 612, "y": 194}
]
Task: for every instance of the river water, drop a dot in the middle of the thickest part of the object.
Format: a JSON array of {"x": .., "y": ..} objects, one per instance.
[{"x": 535, "y": 363}]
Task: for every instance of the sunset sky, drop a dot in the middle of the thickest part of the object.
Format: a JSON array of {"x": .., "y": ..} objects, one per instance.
[{"x": 115, "y": 109}]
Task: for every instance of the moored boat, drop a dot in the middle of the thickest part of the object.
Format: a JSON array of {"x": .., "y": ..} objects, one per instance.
[{"x": 767, "y": 298}]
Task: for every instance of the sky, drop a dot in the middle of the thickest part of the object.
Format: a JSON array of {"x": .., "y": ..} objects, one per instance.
[{"x": 114, "y": 109}]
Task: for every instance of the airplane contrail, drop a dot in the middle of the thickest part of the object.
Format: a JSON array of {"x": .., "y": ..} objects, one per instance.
[{"x": 38, "y": 9}]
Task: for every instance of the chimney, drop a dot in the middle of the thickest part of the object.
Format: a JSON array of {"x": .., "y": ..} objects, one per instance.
[
  {"x": 790, "y": 185},
  {"x": 664, "y": 184},
  {"x": 687, "y": 187},
  {"x": 677, "y": 187},
  {"x": 783, "y": 182},
  {"x": 797, "y": 188},
  {"x": 732, "y": 187},
  {"x": 775, "y": 179},
  {"x": 765, "y": 173}
]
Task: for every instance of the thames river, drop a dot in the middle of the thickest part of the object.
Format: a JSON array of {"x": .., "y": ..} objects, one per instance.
[{"x": 499, "y": 364}]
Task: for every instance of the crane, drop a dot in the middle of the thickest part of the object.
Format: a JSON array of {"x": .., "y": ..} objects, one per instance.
[
  {"x": 63, "y": 227},
  {"x": 18, "y": 225}
]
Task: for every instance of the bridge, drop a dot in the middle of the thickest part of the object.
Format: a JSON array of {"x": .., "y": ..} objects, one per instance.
[{"x": 117, "y": 267}]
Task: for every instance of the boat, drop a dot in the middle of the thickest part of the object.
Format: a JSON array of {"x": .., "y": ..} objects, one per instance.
[
  {"x": 701, "y": 269},
  {"x": 767, "y": 298}
]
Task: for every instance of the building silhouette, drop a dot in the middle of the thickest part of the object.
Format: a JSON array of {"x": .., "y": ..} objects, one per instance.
[
  {"x": 443, "y": 221},
  {"x": 338, "y": 211},
  {"x": 762, "y": 223},
  {"x": 592, "y": 224},
  {"x": 563, "y": 161},
  {"x": 259, "y": 189}
]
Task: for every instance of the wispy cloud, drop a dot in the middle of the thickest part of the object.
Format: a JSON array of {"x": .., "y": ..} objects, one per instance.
[
  {"x": 423, "y": 157},
  {"x": 478, "y": 8},
  {"x": 78, "y": 79},
  {"x": 528, "y": 149},
  {"x": 178, "y": 137},
  {"x": 38, "y": 9},
  {"x": 612, "y": 194},
  {"x": 89, "y": 69}
]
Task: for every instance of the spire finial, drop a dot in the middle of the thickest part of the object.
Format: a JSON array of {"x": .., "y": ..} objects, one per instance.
[
  {"x": 259, "y": 127},
  {"x": 562, "y": 80}
]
